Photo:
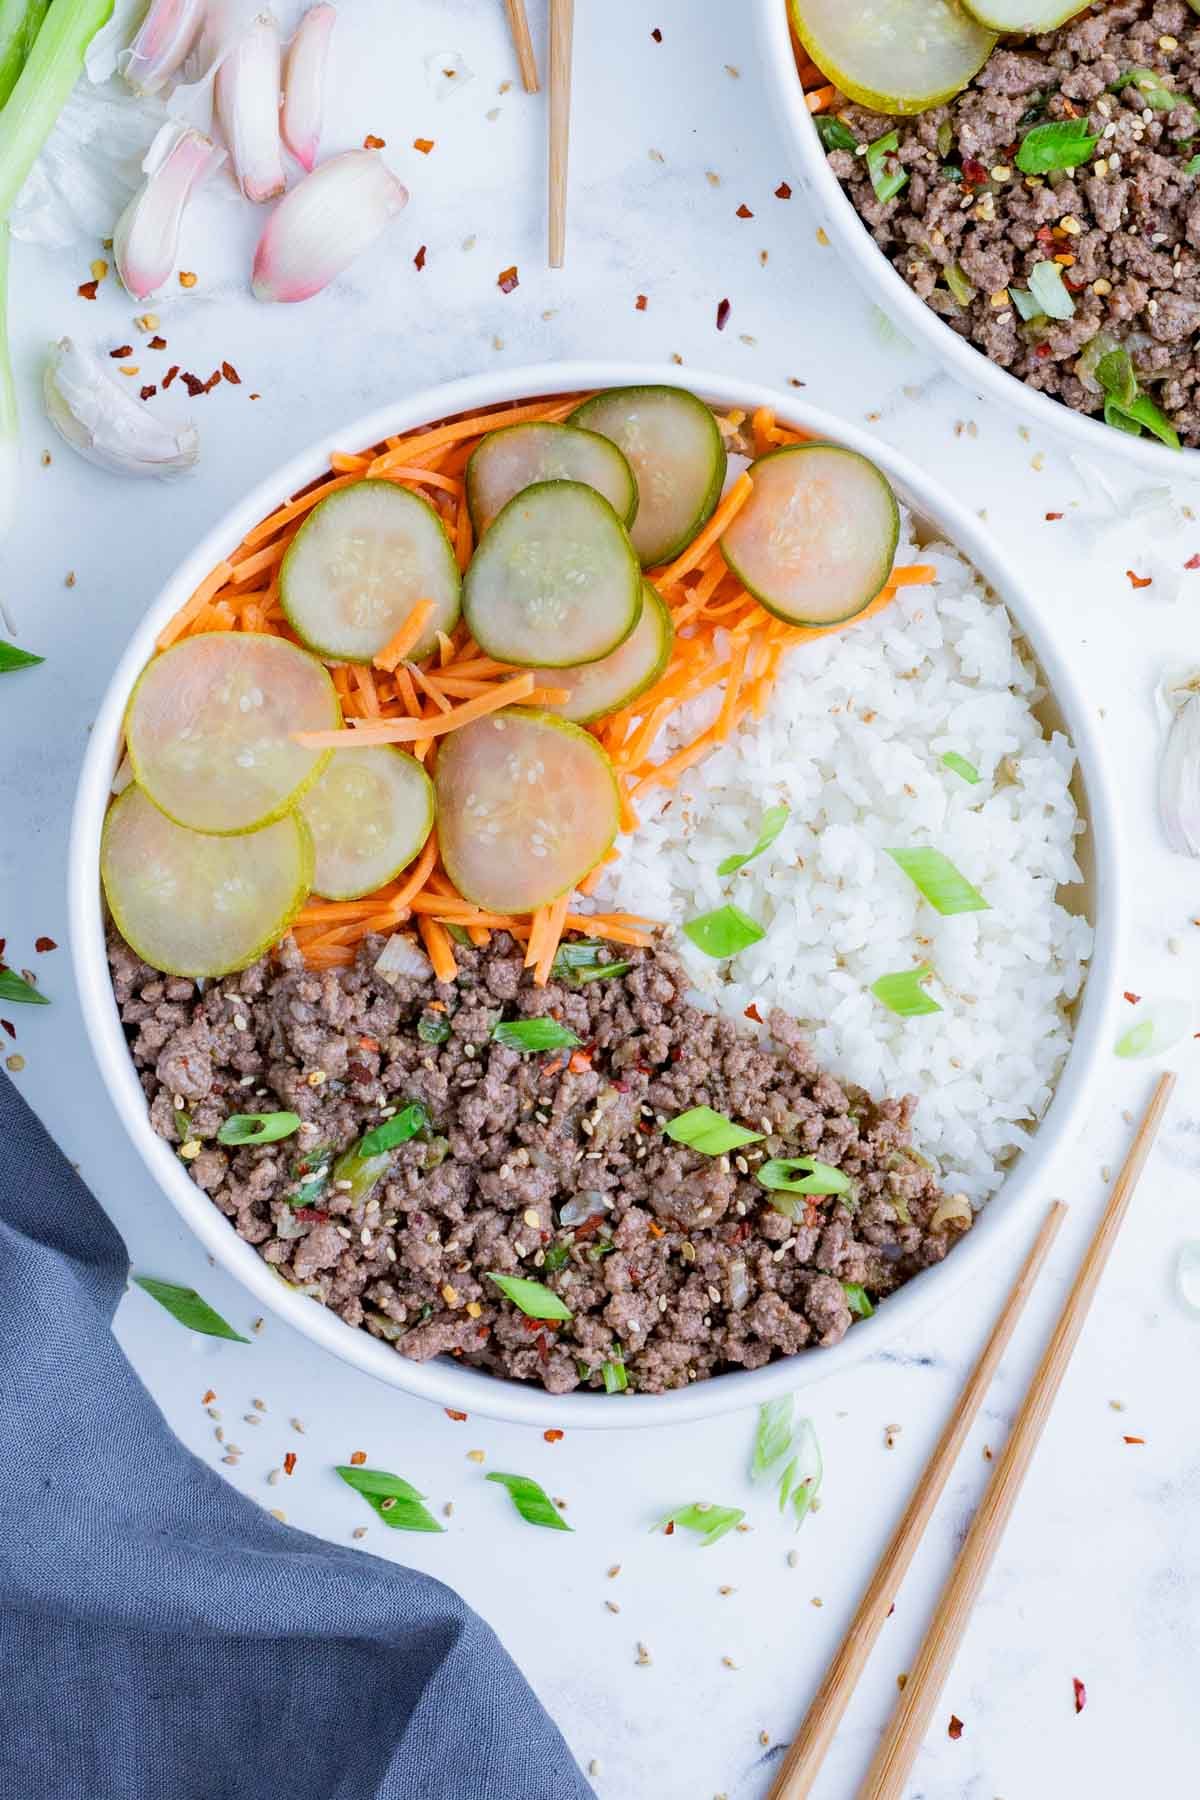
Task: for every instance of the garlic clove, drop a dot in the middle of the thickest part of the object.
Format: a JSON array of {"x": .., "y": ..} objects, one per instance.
[
  {"x": 246, "y": 97},
  {"x": 107, "y": 425},
  {"x": 146, "y": 238},
  {"x": 318, "y": 229},
  {"x": 304, "y": 84},
  {"x": 161, "y": 46}
]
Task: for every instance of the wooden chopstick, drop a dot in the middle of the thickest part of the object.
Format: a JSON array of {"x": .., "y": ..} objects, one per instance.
[
  {"x": 902, "y": 1739},
  {"x": 808, "y": 1748},
  {"x": 562, "y": 25},
  {"x": 518, "y": 24}
]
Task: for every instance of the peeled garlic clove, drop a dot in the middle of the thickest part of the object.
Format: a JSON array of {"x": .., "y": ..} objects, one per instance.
[
  {"x": 146, "y": 239},
  {"x": 168, "y": 32},
  {"x": 107, "y": 424},
  {"x": 1179, "y": 770},
  {"x": 304, "y": 84},
  {"x": 246, "y": 95},
  {"x": 318, "y": 229}
]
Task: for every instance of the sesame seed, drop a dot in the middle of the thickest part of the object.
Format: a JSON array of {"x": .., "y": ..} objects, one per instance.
[
  {"x": 360, "y": 1531},
  {"x": 643, "y": 1657},
  {"x": 450, "y": 1295},
  {"x": 614, "y": 1606},
  {"x": 275, "y": 1477},
  {"x": 234, "y": 1460},
  {"x": 614, "y": 1571},
  {"x": 594, "y": 1766},
  {"x": 726, "y": 1590},
  {"x": 475, "y": 1456},
  {"x": 297, "y": 1425},
  {"x": 214, "y": 1412},
  {"x": 532, "y": 1218},
  {"x": 474, "y": 1310},
  {"x": 316, "y": 1078},
  {"x": 727, "y": 1662},
  {"x": 793, "y": 1559},
  {"x": 252, "y": 1418},
  {"x": 239, "y": 1020}
]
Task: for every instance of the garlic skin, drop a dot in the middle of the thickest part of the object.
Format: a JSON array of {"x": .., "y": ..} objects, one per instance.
[
  {"x": 107, "y": 425},
  {"x": 304, "y": 85},
  {"x": 246, "y": 100},
  {"x": 1179, "y": 769},
  {"x": 318, "y": 229},
  {"x": 146, "y": 238},
  {"x": 161, "y": 47}
]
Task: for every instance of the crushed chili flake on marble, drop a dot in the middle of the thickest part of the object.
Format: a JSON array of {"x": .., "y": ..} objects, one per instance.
[
  {"x": 42, "y": 944},
  {"x": 552, "y": 1437},
  {"x": 1050, "y": 517},
  {"x": 170, "y": 375},
  {"x": 157, "y": 343},
  {"x": 207, "y": 1398},
  {"x": 87, "y": 290},
  {"x": 289, "y": 1462},
  {"x": 656, "y": 34},
  {"x": 424, "y": 145},
  {"x": 419, "y": 259},
  {"x": 743, "y": 212},
  {"x": 121, "y": 351},
  {"x": 640, "y": 303},
  {"x": 752, "y": 1012},
  {"x": 452, "y": 1414},
  {"x": 9, "y": 1027},
  {"x": 231, "y": 374},
  {"x": 1139, "y": 581},
  {"x": 723, "y": 311},
  {"x": 371, "y": 142},
  {"x": 1133, "y": 999},
  {"x": 1135, "y": 1440},
  {"x": 192, "y": 383},
  {"x": 149, "y": 391},
  {"x": 1193, "y": 562},
  {"x": 783, "y": 191},
  {"x": 1080, "y": 1693},
  {"x": 508, "y": 279},
  {"x": 358, "y": 1458},
  {"x": 955, "y": 1727}
]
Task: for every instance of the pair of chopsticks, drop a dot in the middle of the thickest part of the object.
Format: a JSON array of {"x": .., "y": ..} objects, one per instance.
[
  {"x": 562, "y": 27},
  {"x": 902, "y": 1738}
]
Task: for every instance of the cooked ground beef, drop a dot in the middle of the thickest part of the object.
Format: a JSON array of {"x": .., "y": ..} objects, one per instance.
[
  {"x": 678, "y": 1258},
  {"x": 1130, "y": 218}
]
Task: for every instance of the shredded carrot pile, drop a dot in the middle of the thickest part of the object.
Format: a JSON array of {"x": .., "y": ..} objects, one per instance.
[{"x": 724, "y": 640}]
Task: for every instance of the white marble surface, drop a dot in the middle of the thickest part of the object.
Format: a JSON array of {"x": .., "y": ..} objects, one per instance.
[{"x": 1099, "y": 1575}]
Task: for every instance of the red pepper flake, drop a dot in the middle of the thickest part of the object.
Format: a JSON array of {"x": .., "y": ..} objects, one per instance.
[
  {"x": 723, "y": 311},
  {"x": 1132, "y": 998},
  {"x": 121, "y": 352},
  {"x": 1045, "y": 237},
  {"x": 207, "y": 1398},
  {"x": 669, "y": 1528},
  {"x": 783, "y": 191},
  {"x": 743, "y": 211},
  {"x": 1080, "y": 1693},
  {"x": 656, "y": 34},
  {"x": 42, "y": 944},
  {"x": 752, "y": 1012},
  {"x": 170, "y": 375},
  {"x": 368, "y": 1043},
  {"x": 212, "y": 381},
  {"x": 419, "y": 258},
  {"x": 88, "y": 290},
  {"x": 450, "y": 1413},
  {"x": 157, "y": 343},
  {"x": 192, "y": 383},
  {"x": 358, "y": 1458},
  {"x": 1139, "y": 581},
  {"x": 507, "y": 279},
  {"x": 553, "y": 1437},
  {"x": 289, "y": 1462},
  {"x": 231, "y": 374},
  {"x": 543, "y": 1348},
  {"x": 580, "y": 1062},
  {"x": 974, "y": 173},
  {"x": 9, "y": 1027},
  {"x": 371, "y": 142},
  {"x": 589, "y": 1227},
  {"x": 1052, "y": 516},
  {"x": 149, "y": 391},
  {"x": 424, "y": 145},
  {"x": 1041, "y": 351},
  {"x": 1193, "y": 562},
  {"x": 1133, "y": 1440},
  {"x": 955, "y": 1726},
  {"x": 640, "y": 303},
  {"x": 655, "y": 1230}
]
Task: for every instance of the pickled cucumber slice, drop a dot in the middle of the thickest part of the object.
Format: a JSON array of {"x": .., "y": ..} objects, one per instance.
[
  {"x": 370, "y": 812},
  {"x": 517, "y": 456},
  {"x": 896, "y": 56},
  {"x": 359, "y": 564},
  {"x": 192, "y": 904},
  {"x": 1024, "y": 15},
  {"x": 527, "y": 804},
  {"x": 604, "y": 687},
  {"x": 555, "y": 580},
  {"x": 677, "y": 455},
  {"x": 815, "y": 541},
  {"x": 209, "y": 725}
]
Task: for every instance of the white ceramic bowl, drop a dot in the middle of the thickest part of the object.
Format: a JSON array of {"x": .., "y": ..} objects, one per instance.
[
  {"x": 444, "y": 1380},
  {"x": 919, "y": 322}
]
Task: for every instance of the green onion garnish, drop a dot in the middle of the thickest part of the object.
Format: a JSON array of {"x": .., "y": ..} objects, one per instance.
[
  {"x": 773, "y": 822},
  {"x": 1142, "y": 413},
  {"x": 189, "y": 1308},
  {"x": 459, "y": 933},
  {"x": 956, "y": 281},
  {"x": 1046, "y": 286},
  {"x": 432, "y": 1028},
  {"x": 787, "y": 1452},
  {"x": 11, "y": 658},
  {"x": 708, "y": 1132},
  {"x": 397, "y": 1130},
  {"x": 779, "y": 1175},
  {"x": 615, "y": 1379},
  {"x": 396, "y": 1501},
  {"x": 939, "y": 881},
  {"x": 1152, "y": 89},
  {"x": 835, "y": 135},
  {"x": 883, "y": 166},
  {"x": 802, "y": 1478},
  {"x": 1192, "y": 167},
  {"x": 1062, "y": 144},
  {"x": 14, "y": 987},
  {"x": 531, "y": 1501},
  {"x": 530, "y": 1035},
  {"x": 903, "y": 993},
  {"x": 258, "y": 1128},
  {"x": 958, "y": 765},
  {"x": 557, "y": 1256},
  {"x": 723, "y": 932},
  {"x": 1116, "y": 376},
  {"x": 712, "y": 1522},
  {"x": 579, "y": 962},
  {"x": 773, "y": 1438},
  {"x": 1025, "y": 303},
  {"x": 534, "y": 1300},
  {"x": 857, "y": 1299},
  {"x": 945, "y": 139}
]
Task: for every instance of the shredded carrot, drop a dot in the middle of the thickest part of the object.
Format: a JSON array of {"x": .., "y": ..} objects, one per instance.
[
  {"x": 405, "y": 731},
  {"x": 607, "y": 928},
  {"x": 912, "y": 575},
  {"x": 475, "y": 426},
  {"x": 733, "y": 687},
  {"x": 246, "y": 567},
  {"x": 365, "y": 682},
  {"x": 212, "y": 584},
  {"x": 437, "y": 942},
  {"x": 819, "y": 99},
  {"x": 445, "y": 649},
  {"x": 422, "y": 869},
  {"x": 402, "y": 640},
  {"x": 428, "y": 686},
  {"x": 548, "y": 949},
  {"x": 294, "y": 509},
  {"x": 464, "y": 538},
  {"x": 762, "y": 422},
  {"x": 728, "y": 510},
  {"x": 537, "y": 932}
]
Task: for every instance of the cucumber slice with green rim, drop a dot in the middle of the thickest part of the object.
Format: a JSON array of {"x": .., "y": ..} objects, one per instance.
[
  {"x": 555, "y": 580},
  {"x": 192, "y": 904},
  {"x": 606, "y": 686},
  {"x": 527, "y": 804},
  {"x": 895, "y": 56},
  {"x": 517, "y": 456},
  {"x": 677, "y": 454},
  {"x": 815, "y": 541},
  {"x": 208, "y": 728},
  {"x": 369, "y": 813},
  {"x": 359, "y": 564},
  {"x": 1024, "y": 15}
]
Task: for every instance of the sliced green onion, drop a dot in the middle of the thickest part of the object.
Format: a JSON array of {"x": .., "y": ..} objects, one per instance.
[
  {"x": 432, "y": 1028},
  {"x": 724, "y": 932},
  {"x": 857, "y": 1299},
  {"x": 903, "y": 993},
  {"x": 958, "y": 765},
  {"x": 1025, "y": 303},
  {"x": 1192, "y": 167},
  {"x": 939, "y": 881},
  {"x": 14, "y": 987},
  {"x": 958, "y": 284},
  {"x": 945, "y": 139},
  {"x": 883, "y": 166},
  {"x": 579, "y": 962},
  {"x": 10, "y": 656},
  {"x": 258, "y": 1128},
  {"x": 773, "y": 822},
  {"x": 709, "y": 1132},
  {"x": 779, "y": 1175},
  {"x": 530, "y": 1035},
  {"x": 772, "y": 1438},
  {"x": 531, "y": 1501},
  {"x": 615, "y": 1379},
  {"x": 805, "y": 1471},
  {"x": 1142, "y": 412},
  {"x": 1115, "y": 373},
  {"x": 557, "y": 1256},
  {"x": 1162, "y": 1024},
  {"x": 459, "y": 933},
  {"x": 835, "y": 135},
  {"x": 20, "y": 21},
  {"x": 1152, "y": 89},
  {"x": 397, "y": 1130},
  {"x": 534, "y": 1300},
  {"x": 189, "y": 1308},
  {"x": 1062, "y": 144},
  {"x": 712, "y": 1522},
  {"x": 396, "y": 1501},
  {"x": 1046, "y": 286}
]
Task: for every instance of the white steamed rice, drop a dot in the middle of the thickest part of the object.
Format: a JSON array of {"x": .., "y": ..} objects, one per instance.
[{"x": 852, "y": 743}]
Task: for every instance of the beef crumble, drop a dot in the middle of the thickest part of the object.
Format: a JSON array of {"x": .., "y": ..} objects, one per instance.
[
  {"x": 1123, "y": 226},
  {"x": 676, "y": 1257}
]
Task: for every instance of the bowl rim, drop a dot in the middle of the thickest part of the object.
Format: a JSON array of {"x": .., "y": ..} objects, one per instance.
[
  {"x": 906, "y": 309},
  {"x": 442, "y": 1381}
]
